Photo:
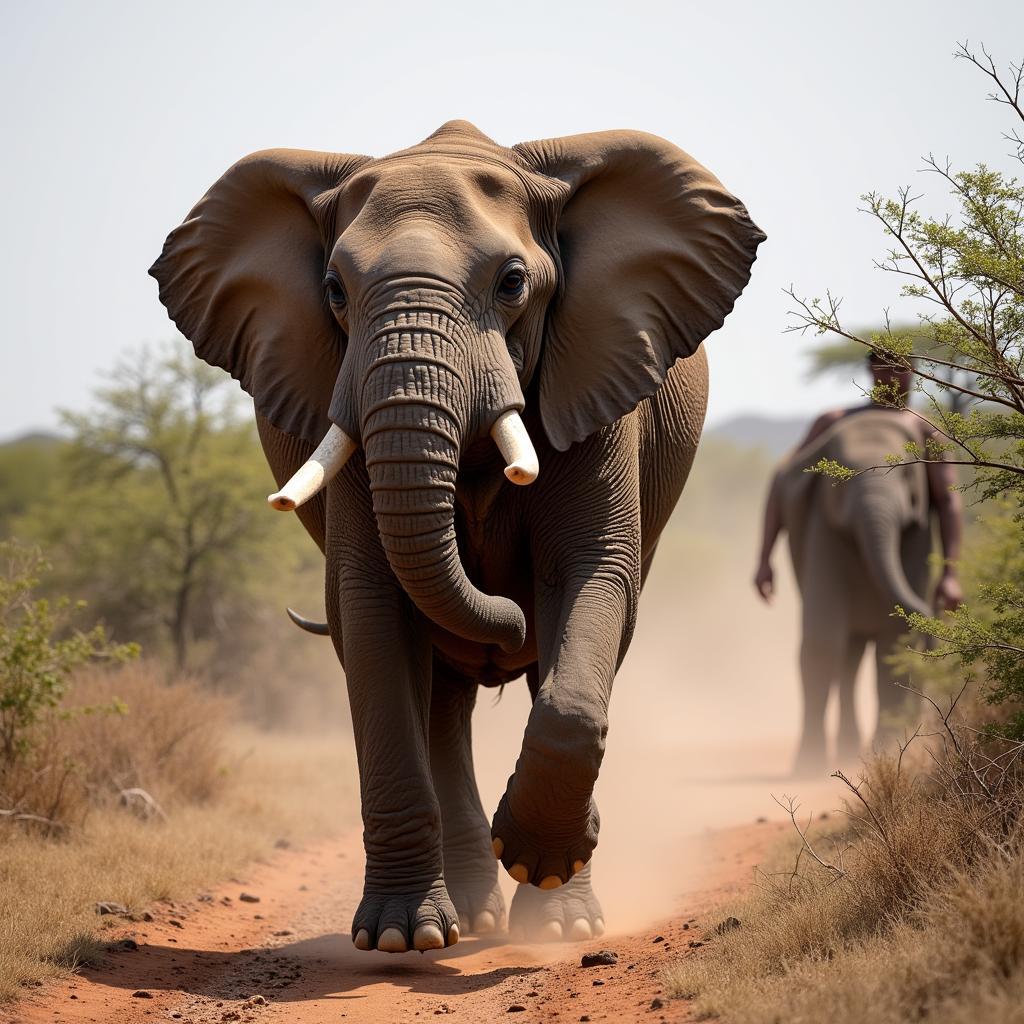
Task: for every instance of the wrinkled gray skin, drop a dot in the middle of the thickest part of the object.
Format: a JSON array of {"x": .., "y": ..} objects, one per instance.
[
  {"x": 859, "y": 549},
  {"x": 381, "y": 295}
]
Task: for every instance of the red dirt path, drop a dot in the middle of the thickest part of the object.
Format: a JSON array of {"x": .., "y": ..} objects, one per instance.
[{"x": 283, "y": 959}]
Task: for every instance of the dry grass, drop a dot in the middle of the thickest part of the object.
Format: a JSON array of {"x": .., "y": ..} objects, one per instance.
[
  {"x": 914, "y": 912},
  {"x": 227, "y": 794},
  {"x": 163, "y": 739}
]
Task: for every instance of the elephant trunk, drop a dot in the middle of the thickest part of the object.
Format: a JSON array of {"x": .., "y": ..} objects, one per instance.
[
  {"x": 879, "y": 530},
  {"x": 412, "y": 436}
]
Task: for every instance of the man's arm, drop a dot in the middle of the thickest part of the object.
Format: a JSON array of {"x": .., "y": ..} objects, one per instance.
[
  {"x": 764, "y": 577},
  {"x": 949, "y": 507}
]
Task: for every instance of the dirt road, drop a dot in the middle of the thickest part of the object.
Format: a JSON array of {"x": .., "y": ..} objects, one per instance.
[{"x": 225, "y": 957}]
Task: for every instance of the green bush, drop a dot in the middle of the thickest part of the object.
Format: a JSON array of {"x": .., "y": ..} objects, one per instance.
[{"x": 39, "y": 649}]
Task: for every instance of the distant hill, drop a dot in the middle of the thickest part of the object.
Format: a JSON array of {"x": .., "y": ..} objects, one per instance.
[{"x": 774, "y": 435}]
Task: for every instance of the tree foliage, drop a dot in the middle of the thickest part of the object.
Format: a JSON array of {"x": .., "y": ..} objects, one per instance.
[
  {"x": 965, "y": 273},
  {"x": 156, "y": 515}
]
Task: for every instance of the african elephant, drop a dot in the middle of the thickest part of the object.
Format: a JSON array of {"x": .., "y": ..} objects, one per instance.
[
  {"x": 409, "y": 327},
  {"x": 859, "y": 548}
]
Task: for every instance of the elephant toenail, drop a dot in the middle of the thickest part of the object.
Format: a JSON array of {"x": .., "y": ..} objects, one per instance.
[
  {"x": 550, "y": 931},
  {"x": 362, "y": 939},
  {"x": 428, "y": 936},
  {"x": 551, "y": 882},
  {"x": 580, "y": 929},
  {"x": 577, "y": 866},
  {"x": 598, "y": 926},
  {"x": 519, "y": 873},
  {"x": 453, "y": 935},
  {"x": 391, "y": 940},
  {"x": 498, "y": 846},
  {"x": 484, "y": 923}
]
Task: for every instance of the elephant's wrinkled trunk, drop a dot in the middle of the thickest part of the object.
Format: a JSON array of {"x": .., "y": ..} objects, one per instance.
[
  {"x": 879, "y": 530},
  {"x": 411, "y": 437}
]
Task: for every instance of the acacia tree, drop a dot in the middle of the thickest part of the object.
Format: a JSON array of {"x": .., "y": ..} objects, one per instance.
[
  {"x": 156, "y": 513},
  {"x": 967, "y": 350}
]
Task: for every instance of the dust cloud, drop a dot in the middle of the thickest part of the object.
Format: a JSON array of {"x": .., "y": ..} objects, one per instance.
[{"x": 704, "y": 720}]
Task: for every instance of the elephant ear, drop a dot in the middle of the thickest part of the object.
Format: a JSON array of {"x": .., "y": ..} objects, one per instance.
[
  {"x": 242, "y": 278},
  {"x": 654, "y": 252}
]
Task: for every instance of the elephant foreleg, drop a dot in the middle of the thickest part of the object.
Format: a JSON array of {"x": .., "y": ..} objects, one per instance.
[
  {"x": 387, "y": 657},
  {"x": 848, "y": 740},
  {"x": 470, "y": 870},
  {"x": 896, "y": 706},
  {"x": 545, "y": 828},
  {"x": 821, "y": 660}
]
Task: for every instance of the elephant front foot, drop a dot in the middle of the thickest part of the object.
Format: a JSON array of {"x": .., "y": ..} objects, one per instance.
[
  {"x": 396, "y": 922},
  {"x": 570, "y": 913},
  {"x": 471, "y": 875},
  {"x": 548, "y": 844}
]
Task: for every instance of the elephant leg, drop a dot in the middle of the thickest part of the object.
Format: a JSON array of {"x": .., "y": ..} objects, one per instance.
[
  {"x": 571, "y": 912},
  {"x": 821, "y": 658},
  {"x": 470, "y": 870},
  {"x": 545, "y": 828},
  {"x": 896, "y": 705},
  {"x": 848, "y": 740},
  {"x": 387, "y": 657}
]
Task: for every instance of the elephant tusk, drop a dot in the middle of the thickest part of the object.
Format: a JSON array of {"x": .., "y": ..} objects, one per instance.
[
  {"x": 317, "y": 628},
  {"x": 509, "y": 433},
  {"x": 325, "y": 463}
]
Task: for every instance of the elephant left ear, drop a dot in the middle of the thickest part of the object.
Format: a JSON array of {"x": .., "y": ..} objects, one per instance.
[{"x": 655, "y": 252}]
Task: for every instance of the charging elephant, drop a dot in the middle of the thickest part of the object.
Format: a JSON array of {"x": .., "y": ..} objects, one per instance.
[
  {"x": 859, "y": 549},
  {"x": 409, "y": 327}
]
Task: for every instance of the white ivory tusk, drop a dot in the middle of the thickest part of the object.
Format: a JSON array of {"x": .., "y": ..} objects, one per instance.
[
  {"x": 509, "y": 433},
  {"x": 326, "y": 462}
]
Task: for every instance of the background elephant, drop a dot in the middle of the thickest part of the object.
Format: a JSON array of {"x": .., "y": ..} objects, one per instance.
[
  {"x": 859, "y": 548},
  {"x": 399, "y": 311}
]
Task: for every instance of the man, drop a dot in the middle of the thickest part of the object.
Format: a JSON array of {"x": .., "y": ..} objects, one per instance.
[{"x": 860, "y": 548}]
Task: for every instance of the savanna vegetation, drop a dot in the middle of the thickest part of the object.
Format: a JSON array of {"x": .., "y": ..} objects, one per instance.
[
  {"x": 135, "y": 761},
  {"x": 911, "y": 908}
]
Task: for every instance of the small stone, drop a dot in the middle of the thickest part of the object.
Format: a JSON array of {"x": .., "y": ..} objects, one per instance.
[
  {"x": 283, "y": 932},
  {"x": 282, "y": 844},
  {"x": 141, "y": 993},
  {"x": 585, "y": 1017},
  {"x": 602, "y": 958},
  {"x": 598, "y": 981},
  {"x": 726, "y": 926},
  {"x": 686, "y": 927},
  {"x": 147, "y": 916},
  {"x": 174, "y": 922},
  {"x": 256, "y": 1000},
  {"x": 656, "y": 1003},
  {"x": 205, "y": 898},
  {"x": 109, "y": 907},
  {"x": 762, "y": 820},
  {"x": 248, "y": 897},
  {"x": 695, "y": 945},
  {"x": 516, "y": 1008},
  {"x": 659, "y": 938},
  {"x": 128, "y": 944}
]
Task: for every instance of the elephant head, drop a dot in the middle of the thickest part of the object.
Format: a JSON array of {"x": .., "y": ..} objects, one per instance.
[
  {"x": 875, "y": 507},
  {"x": 406, "y": 305}
]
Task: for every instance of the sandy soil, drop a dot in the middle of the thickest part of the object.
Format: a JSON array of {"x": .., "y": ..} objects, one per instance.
[{"x": 220, "y": 958}]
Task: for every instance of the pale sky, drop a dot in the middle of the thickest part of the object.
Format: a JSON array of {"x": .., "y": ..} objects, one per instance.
[{"x": 116, "y": 117}]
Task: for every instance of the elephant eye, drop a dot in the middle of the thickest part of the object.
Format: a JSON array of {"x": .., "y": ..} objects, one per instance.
[
  {"x": 512, "y": 286},
  {"x": 335, "y": 291}
]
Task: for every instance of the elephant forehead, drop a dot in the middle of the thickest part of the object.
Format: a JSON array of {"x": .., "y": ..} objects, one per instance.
[{"x": 411, "y": 212}]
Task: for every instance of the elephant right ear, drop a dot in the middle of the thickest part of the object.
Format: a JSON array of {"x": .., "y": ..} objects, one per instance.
[{"x": 242, "y": 278}]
